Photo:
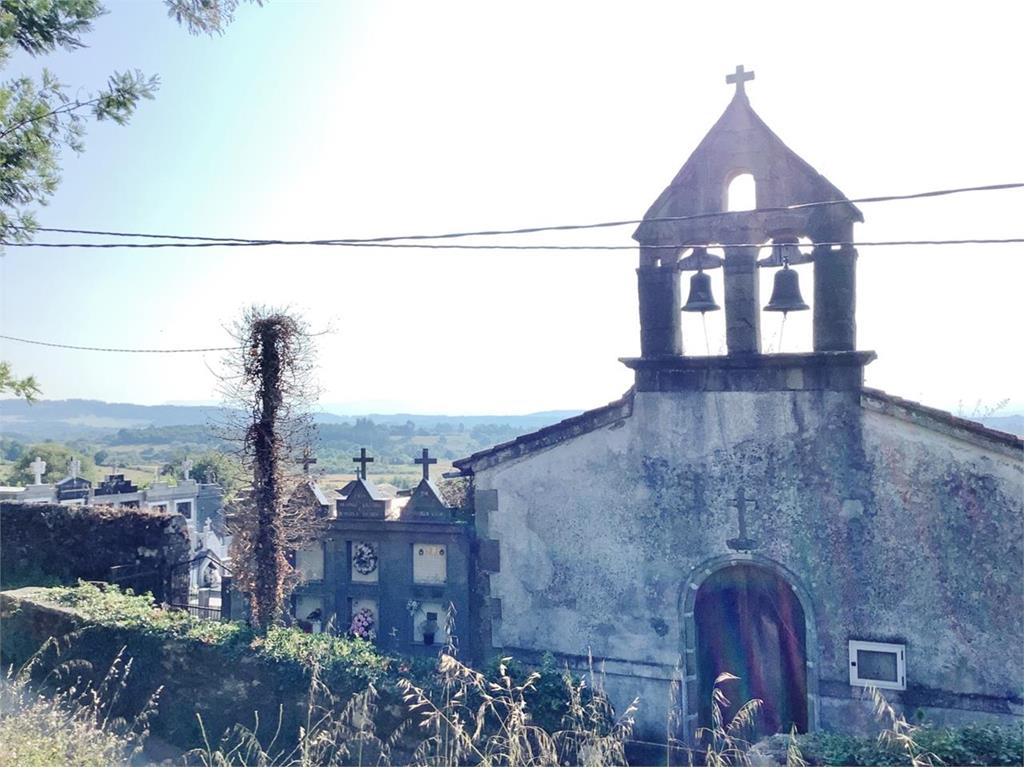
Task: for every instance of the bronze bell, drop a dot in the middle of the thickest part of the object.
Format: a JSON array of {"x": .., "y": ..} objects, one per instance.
[
  {"x": 700, "y": 298},
  {"x": 786, "y": 292}
]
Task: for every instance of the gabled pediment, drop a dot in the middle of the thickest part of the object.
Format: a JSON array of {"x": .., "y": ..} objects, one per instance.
[
  {"x": 739, "y": 143},
  {"x": 426, "y": 502}
]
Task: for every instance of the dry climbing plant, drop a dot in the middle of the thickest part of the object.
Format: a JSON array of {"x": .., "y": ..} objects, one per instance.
[{"x": 271, "y": 390}]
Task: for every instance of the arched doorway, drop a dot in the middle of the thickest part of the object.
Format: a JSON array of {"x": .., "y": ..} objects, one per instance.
[{"x": 749, "y": 622}]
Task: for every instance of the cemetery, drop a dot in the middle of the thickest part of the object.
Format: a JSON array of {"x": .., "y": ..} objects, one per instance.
[{"x": 749, "y": 558}]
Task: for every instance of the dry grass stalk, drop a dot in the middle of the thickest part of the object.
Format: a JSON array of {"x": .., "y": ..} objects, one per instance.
[
  {"x": 724, "y": 746},
  {"x": 896, "y": 730},
  {"x": 62, "y": 720}
]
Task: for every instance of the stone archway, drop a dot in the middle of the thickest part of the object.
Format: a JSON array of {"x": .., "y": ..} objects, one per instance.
[{"x": 746, "y": 615}]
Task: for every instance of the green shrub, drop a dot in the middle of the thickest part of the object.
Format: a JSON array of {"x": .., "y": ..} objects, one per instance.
[
  {"x": 977, "y": 744},
  {"x": 547, "y": 697},
  {"x": 352, "y": 662}
]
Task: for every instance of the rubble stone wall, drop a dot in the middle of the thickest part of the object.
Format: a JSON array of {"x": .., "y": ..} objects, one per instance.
[{"x": 47, "y": 544}]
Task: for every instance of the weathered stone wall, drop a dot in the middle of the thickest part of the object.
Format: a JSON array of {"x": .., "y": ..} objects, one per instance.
[
  {"x": 221, "y": 686},
  {"x": 224, "y": 684},
  {"x": 886, "y": 530},
  {"x": 49, "y": 543}
]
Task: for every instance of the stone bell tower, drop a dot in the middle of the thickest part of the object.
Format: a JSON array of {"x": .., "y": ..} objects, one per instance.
[{"x": 691, "y": 216}]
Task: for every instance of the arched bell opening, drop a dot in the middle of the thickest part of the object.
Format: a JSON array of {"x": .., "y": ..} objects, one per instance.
[
  {"x": 740, "y": 192},
  {"x": 703, "y": 316},
  {"x": 748, "y": 621},
  {"x": 787, "y": 299}
]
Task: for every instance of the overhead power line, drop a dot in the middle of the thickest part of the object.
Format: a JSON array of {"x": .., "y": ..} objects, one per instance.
[
  {"x": 450, "y": 246},
  {"x": 127, "y": 351},
  {"x": 248, "y": 242}
]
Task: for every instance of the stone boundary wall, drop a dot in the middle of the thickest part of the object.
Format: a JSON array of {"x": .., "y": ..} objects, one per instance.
[
  {"x": 222, "y": 686},
  {"x": 44, "y": 544}
]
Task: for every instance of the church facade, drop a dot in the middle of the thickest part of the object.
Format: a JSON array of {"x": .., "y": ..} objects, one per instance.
[{"x": 765, "y": 515}]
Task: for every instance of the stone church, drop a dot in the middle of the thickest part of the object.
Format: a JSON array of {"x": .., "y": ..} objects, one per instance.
[{"x": 764, "y": 514}]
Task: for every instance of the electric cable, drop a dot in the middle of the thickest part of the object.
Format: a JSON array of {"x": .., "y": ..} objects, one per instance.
[
  {"x": 447, "y": 246},
  {"x": 127, "y": 351},
  {"x": 536, "y": 229}
]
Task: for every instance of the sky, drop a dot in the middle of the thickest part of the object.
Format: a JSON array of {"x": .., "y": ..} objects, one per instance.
[{"x": 355, "y": 119}]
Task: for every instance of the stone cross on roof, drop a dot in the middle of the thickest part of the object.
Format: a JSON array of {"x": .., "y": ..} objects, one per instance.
[
  {"x": 738, "y": 78},
  {"x": 362, "y": 460},
  {"x": 74, "y": 466},
  {"x": 186, "y": 467},
  {"x": 425, "y": 461},
  {"x": 38, "y": 467},
  {"x": 307, "y": 460}
]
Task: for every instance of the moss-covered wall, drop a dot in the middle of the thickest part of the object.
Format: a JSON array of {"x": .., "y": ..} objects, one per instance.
[
  {"x": 888, "y": 531},
  {"x": 224, "y": 682},
  {"x": 43, "y": 544}
]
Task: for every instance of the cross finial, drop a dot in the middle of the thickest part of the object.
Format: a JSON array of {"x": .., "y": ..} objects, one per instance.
[
  {"x": 307, "y": 460},
  {"x": 362, "y": 460},
  {"x": 425, "y": 461},
  {"x": 74, "y": 466},
  {"x": 738, "y": 78},
  {"x": 186, "y": 467},
  {"x": 38, "y": 467}
]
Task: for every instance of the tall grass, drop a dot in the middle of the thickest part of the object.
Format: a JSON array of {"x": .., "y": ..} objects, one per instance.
[
  {"x": 464, "y": 718},
  {"x": 456, "y": 716},
  {"x": 60, "y": 721},
  {"x": 723, "y": 743}
]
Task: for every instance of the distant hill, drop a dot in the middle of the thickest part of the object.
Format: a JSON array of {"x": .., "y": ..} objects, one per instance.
[
  {"x": 93, "y": 419},
  {"x": 1014, "y": 424}
]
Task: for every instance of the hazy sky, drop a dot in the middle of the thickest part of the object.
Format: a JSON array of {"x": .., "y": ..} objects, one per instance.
[{"x": 350, "y": 119}]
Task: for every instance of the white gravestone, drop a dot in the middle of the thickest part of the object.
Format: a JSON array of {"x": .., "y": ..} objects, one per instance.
[{"x": 38, "y": 467}]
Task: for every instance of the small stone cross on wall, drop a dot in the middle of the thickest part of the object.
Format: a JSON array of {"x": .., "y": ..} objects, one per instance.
[
  {"x": 739, "y": 78},
  {"x": 743, "y": 542},
  {"x": 38, "y": 467},
  {"x": 425, "y": 461},
  {"x": 362, "y": 460}
]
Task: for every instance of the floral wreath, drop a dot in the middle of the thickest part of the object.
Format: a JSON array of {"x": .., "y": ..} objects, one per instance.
[
  {"x": 362, "y": 624},
  {"x": 364, "y": 558}
]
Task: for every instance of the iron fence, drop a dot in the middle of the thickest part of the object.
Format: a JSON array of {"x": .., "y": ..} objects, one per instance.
[{"x": 199, "y": 611}]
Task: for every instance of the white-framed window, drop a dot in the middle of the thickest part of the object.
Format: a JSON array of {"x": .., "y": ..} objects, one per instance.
[
  {"x": 878, "y": 664},
  {"x": 429, "y": 563},
  {"x": 365, "y": 557},
  {"x": 310, "y": 563}
]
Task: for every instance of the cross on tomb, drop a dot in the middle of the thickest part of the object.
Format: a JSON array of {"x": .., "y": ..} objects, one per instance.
[
  {"x": 425, "y": 461},
  {"x": 738, "y": 78},
  {"x": 307, "y": 460},
  {"x": 74, "y": 466},
  {"x": 743, "y": 542},
  {"x": 186, "y": 467},
  {"x": 38, "y": 467},
  {"x": 362, "y": 460}
]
